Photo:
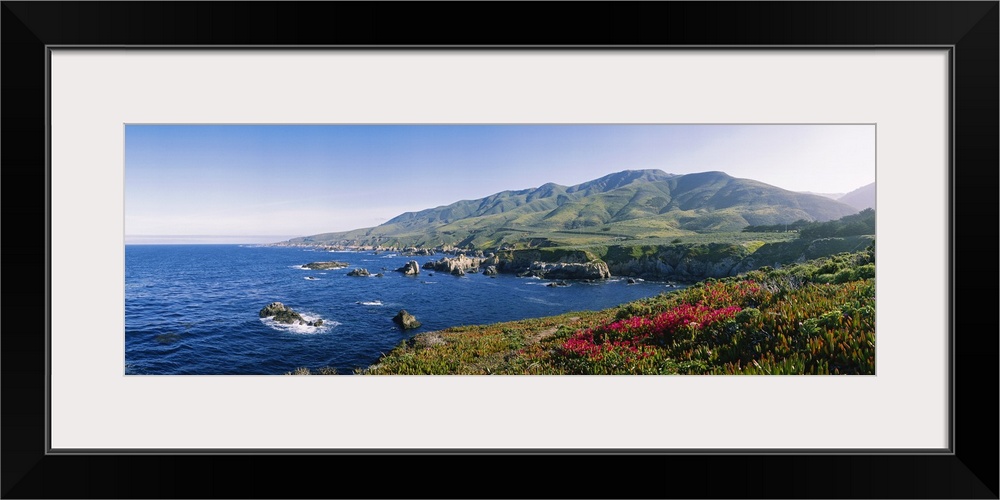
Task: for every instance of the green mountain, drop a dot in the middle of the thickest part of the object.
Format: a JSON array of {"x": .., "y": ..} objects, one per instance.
[{"x": 625, "y": 205}]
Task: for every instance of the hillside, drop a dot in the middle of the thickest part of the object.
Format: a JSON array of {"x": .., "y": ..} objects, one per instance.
[
  {"x": 631, "y": 204},
  {"x": 832, "y": 196},
  {"x": 861, "y": 198}
]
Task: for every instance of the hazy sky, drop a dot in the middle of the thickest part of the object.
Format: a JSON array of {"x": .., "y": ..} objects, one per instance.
[{"x": 275, "y": 182}]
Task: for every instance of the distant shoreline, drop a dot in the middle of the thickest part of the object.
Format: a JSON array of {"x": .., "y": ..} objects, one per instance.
[{"x": 205, "y": 239}]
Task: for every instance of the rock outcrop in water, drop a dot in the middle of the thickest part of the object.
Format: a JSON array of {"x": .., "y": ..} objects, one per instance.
[
  {"x": 458, "y": 265},
  {"x": 322, "y": 266},
  {"x": 410, "y": 269},
  {"x": 405, "y": 320},
  {"x": 359, "y": 272},
  {"x": 559, "y": 265},
  {"x": 283, "y": 314},
  {"x": 413, "y": 251}
]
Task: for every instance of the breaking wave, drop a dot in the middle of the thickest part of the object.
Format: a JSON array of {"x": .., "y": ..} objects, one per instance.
[{"x": 300, "y": 328}]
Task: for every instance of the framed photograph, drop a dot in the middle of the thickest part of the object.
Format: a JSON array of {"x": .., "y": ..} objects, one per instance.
[{"x": 235, "y": 192}]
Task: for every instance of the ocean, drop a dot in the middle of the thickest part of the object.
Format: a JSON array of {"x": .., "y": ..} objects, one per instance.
[{"x": 193, "y": 309}]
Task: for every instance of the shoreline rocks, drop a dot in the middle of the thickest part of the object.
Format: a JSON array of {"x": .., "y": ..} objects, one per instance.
[
  {"x": 413, "y": 251},
  {"x": 594, "y": 270},
  {"x": 684, "y": 262},
  {"x": 359, "y": 272}
]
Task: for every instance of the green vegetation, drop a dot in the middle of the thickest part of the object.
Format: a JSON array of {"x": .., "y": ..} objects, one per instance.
[
  {"x": 777, "y": 228},
  {"x": 326, "y": 370},
  {"x": 803, "y": 249},
  {"x": 851, "y": 225},
  {"x": 816, "y": 317},
  {"x": 858, "y": 224}
]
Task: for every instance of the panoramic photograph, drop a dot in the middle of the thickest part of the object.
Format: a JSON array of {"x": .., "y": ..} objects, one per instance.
[{"x": 521, "y": 249}]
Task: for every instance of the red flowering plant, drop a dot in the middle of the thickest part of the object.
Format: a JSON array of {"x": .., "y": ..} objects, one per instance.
[{"x": 638, "y": 336}]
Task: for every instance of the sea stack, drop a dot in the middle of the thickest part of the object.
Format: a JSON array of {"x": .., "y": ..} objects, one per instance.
[
  {"x": 406, "y": 321},
  {"x": 284, "y": 314},
  {"x": 410, "y": 269}
]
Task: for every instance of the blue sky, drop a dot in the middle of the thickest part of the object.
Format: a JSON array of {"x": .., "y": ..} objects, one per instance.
[{"x": 260, "y": 183}]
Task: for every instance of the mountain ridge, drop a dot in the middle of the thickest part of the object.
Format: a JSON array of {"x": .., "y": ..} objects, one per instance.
[
  {"x": 861, "y": 198},
  {"x": 625, "y": 204}
]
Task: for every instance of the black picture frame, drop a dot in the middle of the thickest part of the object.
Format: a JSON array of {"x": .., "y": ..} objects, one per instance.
[{"x": 969, "y": 28}]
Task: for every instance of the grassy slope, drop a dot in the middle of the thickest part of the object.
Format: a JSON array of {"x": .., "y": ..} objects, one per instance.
[{"x": 814, "y": 317}]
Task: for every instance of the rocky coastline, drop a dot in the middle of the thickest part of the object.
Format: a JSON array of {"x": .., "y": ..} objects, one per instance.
[{"x": 670, "y": 263}]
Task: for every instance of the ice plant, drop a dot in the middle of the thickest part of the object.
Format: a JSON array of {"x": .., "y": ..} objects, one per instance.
[{"x": 633, "y": 335}]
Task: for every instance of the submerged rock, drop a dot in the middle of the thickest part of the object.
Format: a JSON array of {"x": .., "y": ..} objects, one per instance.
[
  {"x": 558, "y": 283},
  {"x": 405, "y": 320},
  {"x": 325, "y": 265},
  {"x": 359, "y": 272}
]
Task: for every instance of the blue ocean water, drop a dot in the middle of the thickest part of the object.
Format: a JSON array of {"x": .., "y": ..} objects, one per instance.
[{"x": 193, "y": 309}]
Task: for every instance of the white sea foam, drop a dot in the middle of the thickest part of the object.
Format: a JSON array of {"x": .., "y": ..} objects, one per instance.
[
  {"x": 300, "y": 266},
  {"x": 370, "y": 303},
  {"x": 389, "y": 256},
  {"x": 300, "y": 328},
  {"x": 540, "y": 301}
]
